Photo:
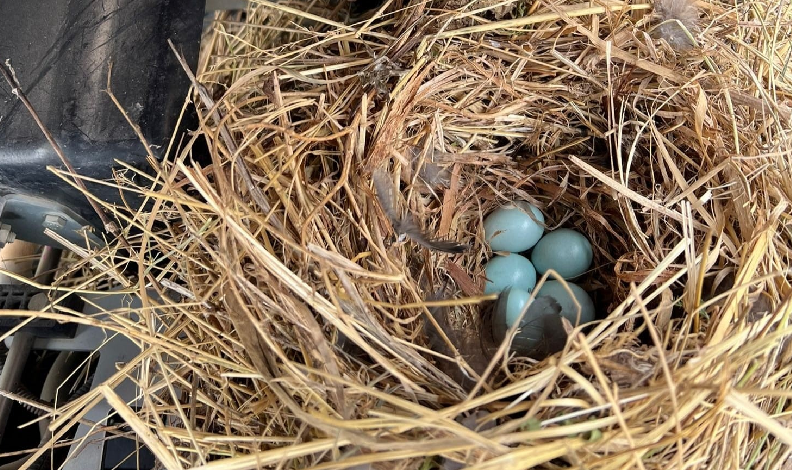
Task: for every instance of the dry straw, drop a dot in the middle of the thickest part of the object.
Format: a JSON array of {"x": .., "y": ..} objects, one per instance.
[{"x": 289, "y": 330}]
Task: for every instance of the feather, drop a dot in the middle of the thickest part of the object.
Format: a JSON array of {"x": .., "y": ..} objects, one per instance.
[
  {"x": 406, "y": 225},
  {"x": 434, "y": 175},
  {"x": 677, "y": 19},
  {"x": 469, "y": 343},
  {"x": 545, "y": 310},
  {"x": 554, "y": 338},
  {"x": 384, "y": 190},
  {"x": 541, "y": 306}
]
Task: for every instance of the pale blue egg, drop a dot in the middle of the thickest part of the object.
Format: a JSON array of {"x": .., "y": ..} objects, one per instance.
[
  {"x": 565, "y": 251},
  {"x": 515, "y": 302},
  {"x": 534, "y": 322},
  {"x": 569, "y": 310},
  {"x": 509, "y": 271},
  {"x": 510, "y": 228}
]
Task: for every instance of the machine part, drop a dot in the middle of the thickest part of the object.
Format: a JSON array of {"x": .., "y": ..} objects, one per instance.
[
  {"x": 48, "y": 264},
  {"x": 90, "y": 453},
  {"x": 31, "y": 397},
  {"x": 84, "y": 336},
  {"x": 49, "y": 391},
  {"x": 38, "y": 302},
  {"x": 30, "y": 216},
  {"x": 212, "y": 5},
  {"x": 64, "y": 365},
  {"x": 20, "y": 296},
  {"x": 61, "y": 51},
  {"x": 54, "y": 222},
  {"x": 18, "y": 258},
  {"x": 12, "y": 371},
  {"x": 6, "y": 235},
  {"x": 117, "y": 452},
  {"x": 23, "y": 392}
]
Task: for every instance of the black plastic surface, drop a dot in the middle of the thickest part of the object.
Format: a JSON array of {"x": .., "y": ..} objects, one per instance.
[
  {"x": 17, "y": 297},
  {"x": 124, "y": 453},
  {"x": 61, "y": 51}
]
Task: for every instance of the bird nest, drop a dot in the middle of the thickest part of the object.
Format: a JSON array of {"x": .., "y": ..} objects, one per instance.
[{"x": 298, "y": 311}]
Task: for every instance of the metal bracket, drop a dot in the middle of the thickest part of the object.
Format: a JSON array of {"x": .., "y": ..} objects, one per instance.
[
  {"x": 7, "y": 235},
  {"x": 26, "y": 218}
]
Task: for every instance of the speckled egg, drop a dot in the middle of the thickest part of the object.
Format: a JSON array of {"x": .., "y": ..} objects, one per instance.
[
  {"x": 565, "y": 251},
  {"x": 569, "y": 310},
  {"x": 511, "y": 228},
  {"x": 509, "y": 271}
]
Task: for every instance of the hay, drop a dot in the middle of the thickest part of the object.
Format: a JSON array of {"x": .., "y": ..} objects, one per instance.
[{"x": 291, "y": 318}]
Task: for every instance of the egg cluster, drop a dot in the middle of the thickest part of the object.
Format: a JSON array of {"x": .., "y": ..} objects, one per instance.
[{"x": 517, "y": 228}]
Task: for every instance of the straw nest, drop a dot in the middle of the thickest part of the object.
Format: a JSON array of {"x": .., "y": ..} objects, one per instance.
[{"x": 293, "y": 322}]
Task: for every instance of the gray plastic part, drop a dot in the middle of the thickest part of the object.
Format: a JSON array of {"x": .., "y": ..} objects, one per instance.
[{"x": 113, "y": 349}]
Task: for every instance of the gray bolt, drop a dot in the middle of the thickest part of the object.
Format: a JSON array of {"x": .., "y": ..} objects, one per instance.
[
  {"x": 54, "y": 222},
  {"x": 6, "y": 234}
]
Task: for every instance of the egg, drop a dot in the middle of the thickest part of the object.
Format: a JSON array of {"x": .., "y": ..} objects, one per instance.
[
  {"x": 556, "y": 290},
  {"x": 509, "y": 271},
  {"x": 511, "y": 228},
  {"x": 539, "y": 325},
  {"x": 565, "y": 251},
  {"x": 515, "y": 302}
]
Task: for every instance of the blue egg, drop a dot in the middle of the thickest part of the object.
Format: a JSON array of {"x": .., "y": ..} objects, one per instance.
[
  {"x": 569, "y": 310},
  {"x": 534, "y": 322},
  {"x": 565, "y": 251},
  {"x": 515, "y": 302},
  {"x": 510, "y": 228},
  {"x": 509, "y": 271}
]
